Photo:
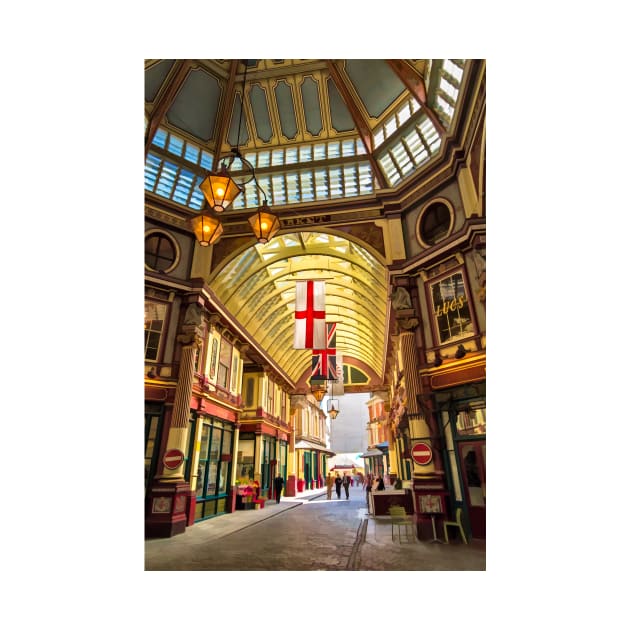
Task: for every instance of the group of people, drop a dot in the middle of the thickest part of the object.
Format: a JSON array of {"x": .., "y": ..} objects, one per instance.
[{"x": 346, "y": 481}]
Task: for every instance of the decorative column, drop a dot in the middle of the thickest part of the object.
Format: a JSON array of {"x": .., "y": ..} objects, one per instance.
[
  {"x": 428, "y": 472},
  {"x": 171, "y": 503}
]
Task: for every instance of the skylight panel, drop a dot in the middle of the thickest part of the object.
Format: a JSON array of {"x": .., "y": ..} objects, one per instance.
[
  {"x": 306, "y": 153},
  {"x": 261, "y": 159},
  {"x": 306, "y": 185},
  {"x": 166, "y": 180},
  {"x": 293, "y": 188},
  {"x": 319, "y": 152},
  {"x": 159, "y": 140},
  {"x": 291, "y": 155},
  {"x": 191, "y": 153},
  {"x": 151, "y": 169},
  {"x": 453, "y": 70},
  {"x": 321, "y": 184},
  {"x": 348, "y": 148},
  {"x": 206, "y": 160},
  {"x": 183, "y": 186},
  {"x": 277, "y": 157},
  {"x": 175, "y": 145},
  {"x": 279, "y": 190},
  {"x": 366, "y": 183},
  {"x": 336, "y": 189},
  {"x": 334, "y": 149},
  {"x": 350, "y": 180}
]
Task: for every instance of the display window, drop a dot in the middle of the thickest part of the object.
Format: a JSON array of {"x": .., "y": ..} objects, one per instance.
[
  {"x": 154, "y": 325},
  {"x": 213, "y": 469},
  {"x": 452, "y": 317}
]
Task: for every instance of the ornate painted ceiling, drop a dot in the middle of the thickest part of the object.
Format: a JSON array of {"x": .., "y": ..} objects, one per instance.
[{"x": 320, "y": 133}]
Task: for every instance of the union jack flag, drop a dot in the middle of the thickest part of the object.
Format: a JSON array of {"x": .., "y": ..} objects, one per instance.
[{"x": 324, "y": 361}]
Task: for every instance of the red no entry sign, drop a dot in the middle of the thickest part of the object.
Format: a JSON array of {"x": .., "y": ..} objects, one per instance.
[
  {"x": 421, "y": 454},
  {"x": 173, "y": 458}
]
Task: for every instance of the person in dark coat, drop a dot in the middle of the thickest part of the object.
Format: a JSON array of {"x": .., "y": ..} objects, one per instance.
[
  {"x": 346, "y": 485},
  {"x": 338, "y": 486},
  {"x": 278, "y": 482},
  {"x": 381, "y": 484}
]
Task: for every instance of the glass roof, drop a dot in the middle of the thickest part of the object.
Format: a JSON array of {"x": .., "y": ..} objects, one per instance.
[{"x": 259, "y": 285}]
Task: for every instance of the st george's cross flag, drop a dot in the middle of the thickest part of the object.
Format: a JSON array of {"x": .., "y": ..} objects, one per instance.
[
  {"x": 310, "y": 314},
  {"x": 324, "y": 362}
]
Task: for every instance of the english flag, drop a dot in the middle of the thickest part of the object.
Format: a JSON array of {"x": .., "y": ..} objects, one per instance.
[
  {"x": 324, "y": 362},
  {"x": 310, "y": 314}
]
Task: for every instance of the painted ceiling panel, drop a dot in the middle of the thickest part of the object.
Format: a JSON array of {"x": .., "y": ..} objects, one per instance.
[
  {"x": 375, "y": 82},
  {"x": 340, "y": 117},
  {"x": 244, "y": 134},
  {"x": 286, "y": 110},
  {"x": 195, "y": 107},
  {"x": 154, "y": 77},
  {"x": 260, "y": 109},
  {"x": 310, "y": 102}
]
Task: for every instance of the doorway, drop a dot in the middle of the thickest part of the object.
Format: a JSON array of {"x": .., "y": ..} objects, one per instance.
[{"x": 473, "y": 466}]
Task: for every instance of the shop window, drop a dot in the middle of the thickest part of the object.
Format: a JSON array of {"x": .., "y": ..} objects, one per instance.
[
  {"x": 245, "y": 459},
  {"x": 154, "y": 318},
  {"x": 152, "y": 426},
  {"x": 214, "y": 461},
  {"x": 472, "y": 421},
  {"x": 225, "y": 356},
  {"x": 160, "y": 252},
  {"x": 451, "y": 309}
]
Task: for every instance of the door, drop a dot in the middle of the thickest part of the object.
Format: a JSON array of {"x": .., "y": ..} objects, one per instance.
[{"x": 472, "y": 458}]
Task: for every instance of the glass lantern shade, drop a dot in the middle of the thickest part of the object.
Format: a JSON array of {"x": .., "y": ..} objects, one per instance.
[
  {"x": 333, "y": 408},
  {"x": 207, "y": 229},
  {"x": 220, "y": 190},
  {"x": 318, "y": 389},
  {"x": 264, "y": 224}
]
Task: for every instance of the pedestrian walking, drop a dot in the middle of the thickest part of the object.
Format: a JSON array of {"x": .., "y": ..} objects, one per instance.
[
  {"x": 330, "y": 482},
  {"x": 338, "y": 485},
  {"x": 346, "y": 485},
  {"x": 278, "y": 482}
]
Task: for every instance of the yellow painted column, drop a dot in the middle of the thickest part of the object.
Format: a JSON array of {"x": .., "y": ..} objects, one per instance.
[{"x": 178, "y": 433}]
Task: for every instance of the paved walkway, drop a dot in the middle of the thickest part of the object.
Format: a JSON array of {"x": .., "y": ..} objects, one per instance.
[{"x": 365, "y": 545}]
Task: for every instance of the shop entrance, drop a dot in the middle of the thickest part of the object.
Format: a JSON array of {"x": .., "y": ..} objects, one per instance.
[{"x": 473, "y": 466}]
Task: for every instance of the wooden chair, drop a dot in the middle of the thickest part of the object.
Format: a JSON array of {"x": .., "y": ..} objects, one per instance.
[
  {"x": 399, "y": 518},
  {"x": 456, "y": 523}
]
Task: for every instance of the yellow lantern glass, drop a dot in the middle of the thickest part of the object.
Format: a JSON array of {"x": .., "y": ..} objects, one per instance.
[
  {"x": 264, "y": 224},
  {"x": 207, "y": 229},
  {"x": 220, "y": 190}
]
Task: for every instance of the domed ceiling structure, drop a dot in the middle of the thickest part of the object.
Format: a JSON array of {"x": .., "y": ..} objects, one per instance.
[{"x": 330, "y": 140}]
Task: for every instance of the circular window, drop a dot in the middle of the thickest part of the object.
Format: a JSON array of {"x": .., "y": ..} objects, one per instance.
[
  {"x": 435, "y": 222},
  {"x": 160, "y": 252}
]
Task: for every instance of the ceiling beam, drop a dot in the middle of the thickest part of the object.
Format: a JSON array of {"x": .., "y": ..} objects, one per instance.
[
  {"x": 365, "y": 133},
  {"x": 165, "y": 100},
  {"x": 225, "y": 111},
  {"x": 414, "y": 82}
]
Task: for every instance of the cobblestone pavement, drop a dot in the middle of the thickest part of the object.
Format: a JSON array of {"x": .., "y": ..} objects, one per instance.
[{"x": 308, "y": 533}]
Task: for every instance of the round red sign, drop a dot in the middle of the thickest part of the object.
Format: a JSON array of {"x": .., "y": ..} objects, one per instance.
[
  {"x": 173, "y": 458},
  {"x": 421, "y": 454}
]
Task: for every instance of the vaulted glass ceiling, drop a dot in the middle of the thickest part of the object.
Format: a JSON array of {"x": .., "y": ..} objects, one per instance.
[{"x": 259, "y": 286}]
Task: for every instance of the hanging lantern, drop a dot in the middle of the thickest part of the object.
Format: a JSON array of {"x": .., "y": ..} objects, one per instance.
[
  {"x": 207, "y": 229},
  {"x": 220, "y": 189},
  {"x": 264, "y": 224},
  {"x": 318, "y": 389},
  {"x": 333, "y": 408}
]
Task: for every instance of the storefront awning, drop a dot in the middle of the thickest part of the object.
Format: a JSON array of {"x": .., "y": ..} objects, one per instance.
[
  {"x": 372, "y": 452},
  {"x": 311, "y": 446}
]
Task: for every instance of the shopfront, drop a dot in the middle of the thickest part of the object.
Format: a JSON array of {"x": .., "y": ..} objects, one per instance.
[
  {"x": 210, "y": 474},
  {"x": 463, "y": 417}
]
